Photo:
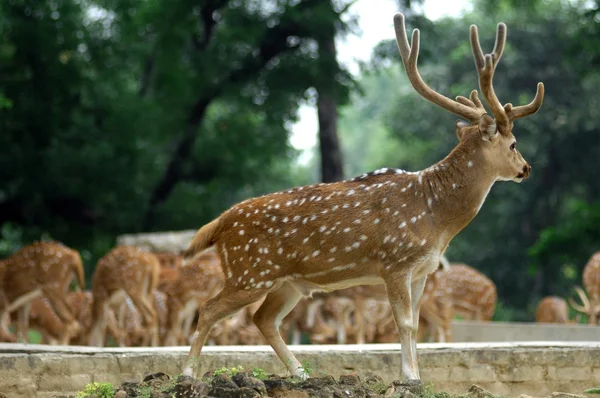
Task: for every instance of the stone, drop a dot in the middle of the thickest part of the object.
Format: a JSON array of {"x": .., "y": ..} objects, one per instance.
[
  {"x": 565, "y": 395},
  {"x": 351, "y": 380},
  {"x": 253, "y": 383},
  {"x": 121, "y": 394},
  {"x": 189, "y": 387},
  {"x": 243, "y": 392},
  {"x": 223, "y": 381},
  {"x": 158, "y": 375},
  {"x": 477, "y": 392}
]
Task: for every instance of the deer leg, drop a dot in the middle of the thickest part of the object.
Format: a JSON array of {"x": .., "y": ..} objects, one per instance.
[
  {"x": 98, "y": 329},
  {"x": 416, "y": 292},
  {"x": 223, "y": 305},
  {"x": 148, "y": 316},
  {"x": 5, "y": 334},
  {"x": 23, "y": 323},
  {"x": 359, "y": 318},
  {"x": 63, "y": 310},
  {"x": 399, "y": 290},
  {"x": 276, "y": 306},
  {"x": 122, "y": 310}
]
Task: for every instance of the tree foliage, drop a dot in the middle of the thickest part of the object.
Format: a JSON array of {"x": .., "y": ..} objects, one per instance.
[{"x": 123, "y": 116}]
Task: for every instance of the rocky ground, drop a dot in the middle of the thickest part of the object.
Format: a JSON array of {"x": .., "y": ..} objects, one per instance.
[{"x": 256, "y": 384}]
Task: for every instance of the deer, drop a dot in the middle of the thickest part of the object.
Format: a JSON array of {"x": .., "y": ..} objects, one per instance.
[
  {"x": 197, "y": 282},
  {"x": 130, "y": 322},
  {"x": 384, "y": 227},
  {"x": 590, "y": 302},
  {"x": 41, "y": 269},
  {"x": 457, "y": 289},
  {"x": 124, "y": 271},
  {"x": 553, "y": 309}
]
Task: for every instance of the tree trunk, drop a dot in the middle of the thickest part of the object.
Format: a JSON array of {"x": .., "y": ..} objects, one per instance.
[{"x": 331, "y": 155}]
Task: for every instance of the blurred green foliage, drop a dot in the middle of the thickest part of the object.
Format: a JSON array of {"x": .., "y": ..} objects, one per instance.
[{"x": 128, "y": 116}]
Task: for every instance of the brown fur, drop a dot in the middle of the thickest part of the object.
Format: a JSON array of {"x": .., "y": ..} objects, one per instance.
[
  {"x": 125, "y": 270},
  {"x": 40, "y": 269},
  {"x": 552, "y": 309},
  {"x": 197, "y": 282}
]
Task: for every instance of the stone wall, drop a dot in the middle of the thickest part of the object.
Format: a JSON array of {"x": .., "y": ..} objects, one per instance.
[
  {"x": 172, "y": 241},
  {"x": 472, "y": 331},
  {"x": 507, "y": 369}
]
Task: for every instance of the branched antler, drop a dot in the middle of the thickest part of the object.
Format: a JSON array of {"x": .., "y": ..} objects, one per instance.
[
  {"x": 469, "y": 109},
  {"x": 486, "y": 66}
]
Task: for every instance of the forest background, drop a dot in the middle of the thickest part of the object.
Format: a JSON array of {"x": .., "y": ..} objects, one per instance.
[{"x": 125, "y": 116}]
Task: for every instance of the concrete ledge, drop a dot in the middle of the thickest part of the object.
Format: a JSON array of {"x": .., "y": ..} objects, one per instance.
[
  {"x": 470, "y": 331},
  {"x": 171, "y": 241},
  {"x": 510, "y": 369}
]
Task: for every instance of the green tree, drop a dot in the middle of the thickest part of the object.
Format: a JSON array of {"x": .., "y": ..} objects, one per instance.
[{"x": 130, "y": 116}]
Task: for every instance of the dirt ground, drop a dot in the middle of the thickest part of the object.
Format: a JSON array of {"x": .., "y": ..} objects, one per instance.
[{"x": 257, "y": 384}]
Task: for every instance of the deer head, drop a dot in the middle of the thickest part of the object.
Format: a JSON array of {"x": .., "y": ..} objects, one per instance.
[{"x": 492, "y": 137}]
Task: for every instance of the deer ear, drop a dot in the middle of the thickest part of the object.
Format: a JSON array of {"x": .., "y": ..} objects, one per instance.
[
  {"x": 487, "y": 128},
  {"x": 459, "y": 127}
]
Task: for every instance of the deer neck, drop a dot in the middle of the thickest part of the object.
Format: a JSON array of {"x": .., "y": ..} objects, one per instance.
[{"x": 455, "y": 188}]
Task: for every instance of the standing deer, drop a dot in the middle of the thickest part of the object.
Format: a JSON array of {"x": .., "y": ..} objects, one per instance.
[
  {"x": 42, "y": 269},
  {"x": 591, "y": 282},
  {"x": 388, "y": 226},
  {"x": 124, "y": 271}
]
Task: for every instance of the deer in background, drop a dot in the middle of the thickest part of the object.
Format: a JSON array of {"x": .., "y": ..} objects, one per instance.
[
  {"x": 197, "y": 282},
  {"x": 124, "y": 271},
  {"x": 42, "y": 269},
  {"x": 590, "y": 302},
  {"x": 456, "y": 290},
  {"x": 385, "y": 227},
  {"x": 553, "y": 309}
]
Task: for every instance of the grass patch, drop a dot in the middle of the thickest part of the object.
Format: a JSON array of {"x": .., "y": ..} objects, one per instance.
[{"x": 99, "y": 390}]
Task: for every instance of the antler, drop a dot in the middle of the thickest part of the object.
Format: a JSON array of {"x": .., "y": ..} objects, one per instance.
[
  {"x": 486, "y": 66},
  {"x": 585, "y": 308},
  {"x": 471, "y": 109}
]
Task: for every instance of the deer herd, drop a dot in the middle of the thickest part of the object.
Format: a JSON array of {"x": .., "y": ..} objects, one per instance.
[
  {"x": 139, "y": 298},
  {"x": 356, "y": 261}
]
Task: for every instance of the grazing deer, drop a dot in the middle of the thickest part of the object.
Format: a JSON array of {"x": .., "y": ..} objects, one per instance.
[
  {"x": 132, "y": 332},
  {"x": 308, "y": 317},
  {"x": 591, "y": 281},
  {"x": 456, "y": 290},
  {"x": 42, "y": 269},
  {"x": 552, "y": 309},
  {"x": 197, "y": 282},
  {"x": 387, "y": 226},
  {"x": 124, "y": 271}
]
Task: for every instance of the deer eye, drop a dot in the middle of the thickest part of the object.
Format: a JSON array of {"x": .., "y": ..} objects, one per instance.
[{"x": 513, "y": 146}]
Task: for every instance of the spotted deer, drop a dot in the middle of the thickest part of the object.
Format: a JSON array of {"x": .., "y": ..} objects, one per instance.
[
  {"x": 197, "y": 282},
  {"x": 590, "y": 302},
  {"x": 457, "y": 290},
  {"x": 552, "y": 309},
  {"x": 42, "y": 269},
  {"x": 124, "y": 271},
  {"x": 389, "y": 226},
  {"x": 130, "y": 322}
]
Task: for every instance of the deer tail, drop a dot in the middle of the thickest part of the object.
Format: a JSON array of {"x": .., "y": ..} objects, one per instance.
[{"x": 205, "y": 238}]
